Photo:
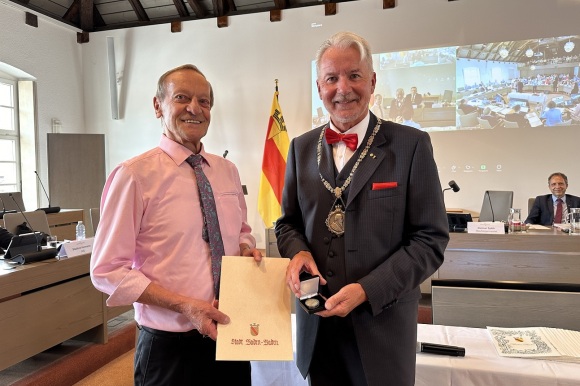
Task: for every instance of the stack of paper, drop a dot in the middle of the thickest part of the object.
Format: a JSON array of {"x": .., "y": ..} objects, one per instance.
[{"x": 537, "y": 343}]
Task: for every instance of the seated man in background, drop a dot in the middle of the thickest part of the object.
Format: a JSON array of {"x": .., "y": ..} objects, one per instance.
[
  {"x": 575, "y": 114},
  {"x": 408, "y": 119},
  {"x": 553, "y": 208},
  {"x": 491, "y": 117},
  {"x": 466, "y": 108},
  {"x": 5, "y": 238},
  {"x": 517, "y": 116}
]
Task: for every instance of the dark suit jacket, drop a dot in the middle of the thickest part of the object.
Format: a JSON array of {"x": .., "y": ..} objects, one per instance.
[
  {"x": 395, "y": 236},
  {"x": 397, "y": 108},
  {"x": 543, "y": 210},
  {"x": 519, "y": 118},
  {"x": 418, "y": 99}
]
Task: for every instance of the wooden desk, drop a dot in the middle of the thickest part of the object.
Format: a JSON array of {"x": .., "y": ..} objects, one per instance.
[
  {"x": 534, "y": 256},
  {"x": 63, "y": 224},
  {"x": 45, "y": 303}
]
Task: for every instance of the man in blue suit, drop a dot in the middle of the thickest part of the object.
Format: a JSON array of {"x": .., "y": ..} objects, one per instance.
[
  {"x": 363, "y": 209},
  {"x": 546, "y": 206}
]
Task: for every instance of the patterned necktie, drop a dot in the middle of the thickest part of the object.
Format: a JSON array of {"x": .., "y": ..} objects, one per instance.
[
  {"x": 558, "y": 215},
  {"x": 350, "y": 140},
  {"x": 211, "y": 225}
]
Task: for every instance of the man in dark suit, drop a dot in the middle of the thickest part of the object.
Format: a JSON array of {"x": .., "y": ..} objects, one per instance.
[
  {"x": 398, "y": 105},
  {"x": 414, "y": 98},
  {"x": 368, "y": 217},
  {"x": 518, "y": 117},
  {"x": 545, "y": 209}
]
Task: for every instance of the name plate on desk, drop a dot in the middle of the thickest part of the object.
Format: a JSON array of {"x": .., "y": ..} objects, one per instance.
[
  {"x": 486, "y": 227},
  {"x": 75, "y": 248}
]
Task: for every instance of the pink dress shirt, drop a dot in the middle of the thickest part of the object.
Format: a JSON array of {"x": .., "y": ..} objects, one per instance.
[{"x": 150, "y": 230}]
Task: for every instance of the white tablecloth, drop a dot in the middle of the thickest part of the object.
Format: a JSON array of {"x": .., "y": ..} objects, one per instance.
[{"x": 481, "y": 366}]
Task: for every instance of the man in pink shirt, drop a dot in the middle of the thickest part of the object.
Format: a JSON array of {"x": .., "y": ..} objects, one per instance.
[{"x": 149, "y": 250}]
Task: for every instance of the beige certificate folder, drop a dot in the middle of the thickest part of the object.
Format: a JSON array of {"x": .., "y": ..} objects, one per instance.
[{"x": 257, "y": 300}]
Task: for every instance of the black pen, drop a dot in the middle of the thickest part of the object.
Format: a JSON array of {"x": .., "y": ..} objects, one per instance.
[{"x": 440, "y": 349}]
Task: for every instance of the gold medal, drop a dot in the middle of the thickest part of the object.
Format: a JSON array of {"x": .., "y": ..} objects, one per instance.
[
  {"x": 335, "y": 221},
  {"x": 311, "y": 303}
]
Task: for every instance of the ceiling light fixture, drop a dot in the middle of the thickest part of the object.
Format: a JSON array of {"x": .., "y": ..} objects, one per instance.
[
  {"x": 503, "y": 53},
  {"x": 569, "y": 46},
  {"x": 529, "y": 52}
]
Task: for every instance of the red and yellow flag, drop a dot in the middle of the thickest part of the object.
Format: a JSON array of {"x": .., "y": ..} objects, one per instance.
[{"x": 273, "y": 165}]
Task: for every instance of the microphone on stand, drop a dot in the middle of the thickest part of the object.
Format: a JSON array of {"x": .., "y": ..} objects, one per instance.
[
  {"x": 225, "y": 153},
  {"x": 452, "y": 185},
  {"x": 49, "y": 209},
  {"x": 17, "y": 253},
  {"x": 36, "y": 234}
]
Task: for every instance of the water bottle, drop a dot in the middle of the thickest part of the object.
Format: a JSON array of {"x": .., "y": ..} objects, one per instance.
[{"x": 80, "y": 231}]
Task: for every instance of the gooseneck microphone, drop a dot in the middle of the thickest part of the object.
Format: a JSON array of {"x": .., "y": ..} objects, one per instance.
[
  {"x": 452, "y": 185},
  {"x": 49, "y": 209},
  {"x": 36, "y": 234},
  {"x": 23, "y": 257}
]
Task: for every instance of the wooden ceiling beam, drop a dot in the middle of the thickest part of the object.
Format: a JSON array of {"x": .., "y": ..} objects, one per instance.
[
  {"x": 86, "y": 15},
  {"x": 220, "y": 7},
  {"x": 183, "y": 12},
  {"x": 197, "y": 8},
  {"x": 329, "y": 9},
  {"x": 222, "y": 21},
  {"x": 139, "y": 10},
  {"x": 387, "y": 4},
  {"x": 281, "y": 4},
  {"x": 31, "y": 19}
]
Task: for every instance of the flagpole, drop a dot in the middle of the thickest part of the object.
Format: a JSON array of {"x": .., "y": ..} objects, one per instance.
[{"x": 276, "y": 81}]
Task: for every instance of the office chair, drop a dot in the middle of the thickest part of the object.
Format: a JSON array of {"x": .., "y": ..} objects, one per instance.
[
  {"x": 484, "y": 123},
  {"x": 95, "y": 217},
  {"x": 469, "y": 120},
  {"x": 7, "y": 202},
  {"x": 36, "y": 220},
  {"x": 496, "y": 205}
]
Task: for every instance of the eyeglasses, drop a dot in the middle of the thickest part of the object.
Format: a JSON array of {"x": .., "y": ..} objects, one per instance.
[{"x": 15, "y": 260}]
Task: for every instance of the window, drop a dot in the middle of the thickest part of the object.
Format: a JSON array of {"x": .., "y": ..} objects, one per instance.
[{"x": 9, "y": 138}]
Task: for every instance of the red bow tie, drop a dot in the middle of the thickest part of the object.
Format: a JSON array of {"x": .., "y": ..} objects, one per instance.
[{"x": 350, "y": 140}]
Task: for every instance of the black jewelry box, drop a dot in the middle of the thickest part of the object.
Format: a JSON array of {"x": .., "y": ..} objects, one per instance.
[{"x": 310, "y": 300}]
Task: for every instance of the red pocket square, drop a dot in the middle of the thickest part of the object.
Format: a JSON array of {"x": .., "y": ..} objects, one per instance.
[{"x": 384, "y": 185}]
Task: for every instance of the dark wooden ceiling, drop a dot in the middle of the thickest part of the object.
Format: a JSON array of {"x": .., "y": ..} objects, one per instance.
[{"x": 101, "y": 15}]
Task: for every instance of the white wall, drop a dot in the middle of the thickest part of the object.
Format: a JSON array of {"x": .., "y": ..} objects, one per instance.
[
  {"x": 243, "y": 60},
  {"x": 52, "y": 57}
]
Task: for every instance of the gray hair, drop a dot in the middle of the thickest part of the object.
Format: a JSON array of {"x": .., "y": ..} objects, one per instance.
[
  {"x": 161, "y": 82},
  {"x": 558, "y": 174},
  {"x": 343, "y": 40}
]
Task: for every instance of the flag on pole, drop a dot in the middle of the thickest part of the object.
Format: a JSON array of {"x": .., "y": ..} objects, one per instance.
[{"x": 273, "y": 165}]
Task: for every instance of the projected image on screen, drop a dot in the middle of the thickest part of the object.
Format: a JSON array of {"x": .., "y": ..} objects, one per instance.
[{"x": 501, "y": 85}]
